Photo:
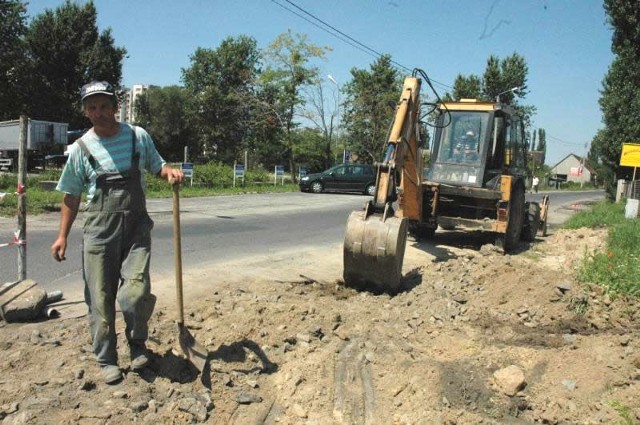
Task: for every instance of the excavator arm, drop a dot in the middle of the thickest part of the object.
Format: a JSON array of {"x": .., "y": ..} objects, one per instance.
[{"x": 375, "y": 237}]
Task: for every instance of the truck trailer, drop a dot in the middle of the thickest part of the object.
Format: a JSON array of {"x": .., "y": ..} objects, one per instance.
[{"x": 43, "y": 138}]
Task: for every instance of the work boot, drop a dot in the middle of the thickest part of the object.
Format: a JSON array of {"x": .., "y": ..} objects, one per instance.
[
  {"x": 111, "y": 374},
  {"x": 139, "y": 356}
]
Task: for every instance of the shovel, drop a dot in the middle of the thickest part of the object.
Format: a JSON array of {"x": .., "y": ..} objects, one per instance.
[{"x": 195, "y": 352}]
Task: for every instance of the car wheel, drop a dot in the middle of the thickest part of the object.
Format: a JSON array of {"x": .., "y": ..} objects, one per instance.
[
  {"x": 370, "y": 190},
  {"x": 316, "y": 187}
]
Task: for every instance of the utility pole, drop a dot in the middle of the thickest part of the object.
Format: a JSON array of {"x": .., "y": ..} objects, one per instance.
[{"x": 22, "y": 199}]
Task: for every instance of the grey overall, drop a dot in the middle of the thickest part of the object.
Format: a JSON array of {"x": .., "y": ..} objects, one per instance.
[{"x": 116, "y": 254}]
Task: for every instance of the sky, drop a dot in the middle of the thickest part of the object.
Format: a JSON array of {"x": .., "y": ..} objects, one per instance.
[{"x": 565, "y": 43}]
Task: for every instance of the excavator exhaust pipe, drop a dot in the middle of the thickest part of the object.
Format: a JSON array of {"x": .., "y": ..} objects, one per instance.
[{"x": 374, "y": 251}]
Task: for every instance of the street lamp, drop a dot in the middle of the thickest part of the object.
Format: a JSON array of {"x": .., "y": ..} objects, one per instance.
[{"x": 515, "y": 89}]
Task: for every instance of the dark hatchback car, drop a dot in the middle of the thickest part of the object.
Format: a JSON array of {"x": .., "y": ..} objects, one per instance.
[{"x": 342, "y": 178}]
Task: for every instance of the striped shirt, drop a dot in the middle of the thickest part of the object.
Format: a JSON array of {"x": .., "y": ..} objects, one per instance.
[{"x": 111, "y": 154}]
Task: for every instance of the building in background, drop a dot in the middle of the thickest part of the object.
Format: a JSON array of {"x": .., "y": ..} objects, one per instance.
[
  {"x": 127, "y": 110},
  {"x": 571, "y": 169}
]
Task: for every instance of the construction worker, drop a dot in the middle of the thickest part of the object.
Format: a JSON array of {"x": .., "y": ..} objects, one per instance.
[
  {"x": 107, "y": 162},
  {"x": 467, "y": 146}
]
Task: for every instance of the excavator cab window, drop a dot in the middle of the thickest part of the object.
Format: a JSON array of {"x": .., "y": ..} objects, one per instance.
[
  {"x": 515, "y": 146},
  {"x": 463, "y": 140}
]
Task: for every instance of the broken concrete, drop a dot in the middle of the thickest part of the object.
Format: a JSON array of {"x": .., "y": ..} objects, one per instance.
[{"x": 21, "y": 301}]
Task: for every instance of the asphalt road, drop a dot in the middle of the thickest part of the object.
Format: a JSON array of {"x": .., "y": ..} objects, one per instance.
[
  {"x": 214, "y": 229},
  {"x": 219, "y": 229}
]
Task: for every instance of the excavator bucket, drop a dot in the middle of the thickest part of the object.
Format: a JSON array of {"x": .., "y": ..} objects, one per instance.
[{"x": 374, "y": 251}]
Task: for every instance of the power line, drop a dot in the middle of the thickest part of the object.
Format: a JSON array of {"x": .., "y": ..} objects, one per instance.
[
  {"x": 340, "y": 35},
  {"x": 564, "y": 142},
  {"x": 318, "y": 26}
]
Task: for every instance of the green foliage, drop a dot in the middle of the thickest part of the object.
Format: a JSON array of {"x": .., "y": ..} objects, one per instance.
[
  {"x": 221, "y": 83},
  {"x": 13, "y": 61},
  {"x": 626, "y": 414},
  {"x": 163, "y": 112},
  {"x": 209, "y": 180},
  {"x": 602, "y": 214},
  {"x": 38, "y": 199},
  {"x": 503, "y": 75},
  {"x": 309, "y": 150},
  {"x": 616, "y": 267},
  {"x": 469, "y": 87},
  {"x": 620, "y": 99},
  {"x": 290, "y": 70},
  {"x": 66, "y": 51},
  {"x": 214, "y": 174},
  {"x": 369, "y": 113}
]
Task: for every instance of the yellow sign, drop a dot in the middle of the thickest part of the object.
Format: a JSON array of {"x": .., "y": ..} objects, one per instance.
[{"x": 630, "y": 155}]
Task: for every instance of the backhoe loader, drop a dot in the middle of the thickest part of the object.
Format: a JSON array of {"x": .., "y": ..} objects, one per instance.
[{"x": 475, "y": 179}]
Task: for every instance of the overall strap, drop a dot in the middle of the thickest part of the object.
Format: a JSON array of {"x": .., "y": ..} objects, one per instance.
[
  {"x": 88, "y": 154},
  {"x": 133, "y": 146}
]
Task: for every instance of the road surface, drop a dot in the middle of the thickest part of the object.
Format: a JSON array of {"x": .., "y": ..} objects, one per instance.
[{"x": 239, "y": 229}]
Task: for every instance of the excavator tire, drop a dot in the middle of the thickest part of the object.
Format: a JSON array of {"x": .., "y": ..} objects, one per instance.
[
  {"x": 532, "y": 222},
  {"x": 374, "y": 252},
  {"x": 509, "y": 240},
  {"x": 421, "y": 231}
]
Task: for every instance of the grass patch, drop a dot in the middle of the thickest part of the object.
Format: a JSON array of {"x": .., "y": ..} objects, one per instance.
[
  {"x": 617, "y": 266},
  {"x": 41, "y": 201},
  {"x": 601, "y": 214},
  {"x": 626, "y": 415}
]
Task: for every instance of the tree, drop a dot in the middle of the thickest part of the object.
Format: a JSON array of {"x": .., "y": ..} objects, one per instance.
[
  {"x": 533, "y": 136},
  {"x": 288, "y": 72},
  {"x": 163, "y": 112},
  {"x": 469, "y": 87},
  {"x": 492, "y": 80},
  {"x": 500, "y": 76},
  {"x": 221, "y": 83},
  {"x": 601, "y": 173},
  {"x": 620, "y": 96},
  {"x": 371, "y": 95},
  {"x": 323, "y": 113},
  {"x": 66, "y": 51},
  {"x": 542, "y": 143},
  {"x": 13, "y": 64},
  {"x": 309, "y": 148}
]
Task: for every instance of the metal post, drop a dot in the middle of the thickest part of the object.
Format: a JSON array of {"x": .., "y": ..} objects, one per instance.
[
  {"x": 186, "y": 154},
  {"x": 22, "y": 199}
]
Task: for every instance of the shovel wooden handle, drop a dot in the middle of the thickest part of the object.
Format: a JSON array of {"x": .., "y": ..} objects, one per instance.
[{"x": 177, "y": 248}]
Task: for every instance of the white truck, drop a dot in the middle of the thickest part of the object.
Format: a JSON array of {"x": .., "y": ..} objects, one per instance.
[{"x": 43, "y": 138}]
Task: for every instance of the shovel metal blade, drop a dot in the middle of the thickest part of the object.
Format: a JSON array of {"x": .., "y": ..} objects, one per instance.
[
  {"x": 195, "y": 352},
  {"x": 373, "y": 252}
]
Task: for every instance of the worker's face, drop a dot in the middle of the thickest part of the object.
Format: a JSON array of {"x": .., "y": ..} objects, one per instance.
[{"x": 100, "y": 110}]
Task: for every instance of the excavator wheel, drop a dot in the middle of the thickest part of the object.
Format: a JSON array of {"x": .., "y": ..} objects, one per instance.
[
  {"x": 374, "y": 252},
  {"x": 531, "y": 222},
  {"x": 421, "y": 231},
  {"x": 509, "y": 240}
]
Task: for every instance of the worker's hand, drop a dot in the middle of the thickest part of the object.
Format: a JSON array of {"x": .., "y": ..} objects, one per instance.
[
  {"x": 59, "y": 248},
  {"x": 174, "y": 175}
]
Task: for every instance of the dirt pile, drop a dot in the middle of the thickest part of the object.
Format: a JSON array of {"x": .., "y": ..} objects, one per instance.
[{"x": 475, "y": 337}]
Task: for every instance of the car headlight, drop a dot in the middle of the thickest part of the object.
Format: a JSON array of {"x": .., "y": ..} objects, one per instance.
[{"x": 304, "y": 179}]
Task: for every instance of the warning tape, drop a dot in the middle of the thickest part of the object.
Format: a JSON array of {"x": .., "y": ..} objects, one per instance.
[
  {"x": 20, "y": 191},
  {"x": 16, "y": 240}
]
